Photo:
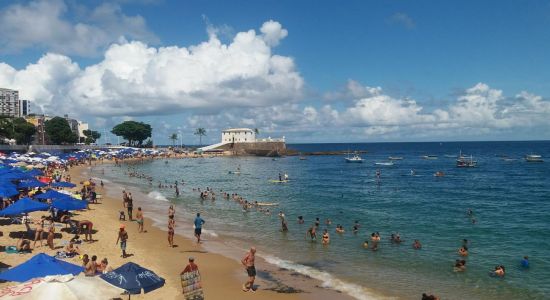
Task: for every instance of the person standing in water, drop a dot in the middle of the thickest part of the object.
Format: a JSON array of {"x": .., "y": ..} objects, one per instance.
[
  {"x": 198, "y": 227},
  {"x": 248, "y": 263}
]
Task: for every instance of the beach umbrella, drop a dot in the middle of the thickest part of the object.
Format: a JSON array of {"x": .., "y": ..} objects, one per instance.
[
  {"x": 133, "y": 278},
  {"x": 34, "y": 172},
  {"x": 30, "y": 184},
  {"x": 68, "y": 203},
  {"x": 40, "y": 265},
  {"x": 66, "y": 287},
  {"x": 7, "y": 191},
  {"x": 21, "y": 206},
  {"x": 63, "y": 184},
  {"x": 51, "y": 194},
  {"x": 45, "y": 179}
]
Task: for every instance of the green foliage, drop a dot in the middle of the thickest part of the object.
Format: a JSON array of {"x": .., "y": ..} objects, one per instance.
[
  {"x": 148, "y": 143},
  {"x": 200, "y": 132},
  {"x": 18, "y": 129},
  {"x": 59, "y": 131},
  {"x": 91, "y": 136},
  {"x": 134, "y": 132},
  {"x": 174, "y": 138},
  {"x": 256, "y": 131}
]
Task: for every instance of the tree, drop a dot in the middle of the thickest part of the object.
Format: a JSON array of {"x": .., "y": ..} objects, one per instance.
[
  {"x": 23, "y": 131},
  {"x": 59, "y": 131},
  {"x": 256, "y": 131},
  {"x": 200, "y": 132},
  {"x": 134, "y": 132},
  {"x": 18, "y": 129},
  {"x": 91, "y": 136},
  {"x": 174, "y": 138}
]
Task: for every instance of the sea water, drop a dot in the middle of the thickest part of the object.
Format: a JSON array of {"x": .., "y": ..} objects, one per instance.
[{"x": 510, "y": 200}]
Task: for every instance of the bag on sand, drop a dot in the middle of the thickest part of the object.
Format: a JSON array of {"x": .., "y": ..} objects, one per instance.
[{"x": 191, "y": 284}]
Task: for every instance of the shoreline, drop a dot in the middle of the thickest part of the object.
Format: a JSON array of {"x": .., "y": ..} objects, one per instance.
[{"x": 273, "y": 281}]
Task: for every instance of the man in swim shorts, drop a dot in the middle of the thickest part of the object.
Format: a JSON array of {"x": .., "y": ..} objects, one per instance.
[
  {"x": 198, "y": 227},
  {"x": 248, "y": 263}
]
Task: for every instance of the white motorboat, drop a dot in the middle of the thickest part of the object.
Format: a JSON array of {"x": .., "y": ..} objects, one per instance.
[
  {"x": 354, "y": 159},
  {"x": 533, "y": 158}
]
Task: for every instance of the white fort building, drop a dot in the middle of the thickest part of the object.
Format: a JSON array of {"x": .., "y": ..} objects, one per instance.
[
  {"x": 238, "y": 135},
  {"x": 244, "y": 141}
]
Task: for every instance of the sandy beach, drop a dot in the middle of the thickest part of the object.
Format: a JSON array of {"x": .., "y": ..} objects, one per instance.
[{"x": 222, "y": 277}]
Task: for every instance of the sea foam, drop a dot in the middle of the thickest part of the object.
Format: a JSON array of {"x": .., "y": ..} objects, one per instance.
[
  {"x": 328, "y": 280},
  {"x": 157, "y": 196}
]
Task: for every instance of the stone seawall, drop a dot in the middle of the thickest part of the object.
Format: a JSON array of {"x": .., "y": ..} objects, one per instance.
[{"x": 257, "y": 148}]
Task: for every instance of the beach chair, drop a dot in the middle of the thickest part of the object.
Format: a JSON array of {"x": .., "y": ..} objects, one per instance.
[{"x": 191, "y": 285}]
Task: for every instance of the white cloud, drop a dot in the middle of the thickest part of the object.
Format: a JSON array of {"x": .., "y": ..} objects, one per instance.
[
  {"x": 136, "y": 79},
  {"x": 402, "y": 19},
  {"x": 273, "y": 32},
  {"x": 45, "y": 24}
]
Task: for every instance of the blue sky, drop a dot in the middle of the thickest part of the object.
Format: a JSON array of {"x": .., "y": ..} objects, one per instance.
[{"x": 353, "y": 70}]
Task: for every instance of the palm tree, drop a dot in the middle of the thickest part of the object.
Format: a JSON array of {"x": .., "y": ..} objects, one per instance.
[
  {"x": 174, "y": 138},
  {"x": 200, "y": 132}
]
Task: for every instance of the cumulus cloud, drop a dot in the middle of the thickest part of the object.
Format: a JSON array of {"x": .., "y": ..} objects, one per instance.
[
  {"x": 136, "y": 79},
  {"x": 45, "y": 24},
  {"x": 273, "y": 32}
]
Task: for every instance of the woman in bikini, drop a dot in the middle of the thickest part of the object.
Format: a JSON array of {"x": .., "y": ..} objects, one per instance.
[
  {"x": 39, "y": 230},
  {"x": 326, "y": 238},
  {"x": 51, "y": 234},
  {"x": 171, "y": 227}
]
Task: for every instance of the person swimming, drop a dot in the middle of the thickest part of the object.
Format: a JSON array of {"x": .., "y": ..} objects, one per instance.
[
  {"x": 326, "y": 237},
  {"x": 311, "y": 233},
  {"x": 499, "y": 271},
  {"x": 463, "y": 251},
  {"x": 416, "y": 245},
  {"x": 366, "y": 244},
  {"x": 525, "y": 262},
  {"x": 460, "y": 266}
]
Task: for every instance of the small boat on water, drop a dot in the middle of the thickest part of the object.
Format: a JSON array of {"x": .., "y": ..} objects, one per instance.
[
  {"x": 429, "y": 156},
  {"x": 533, "y": 158},
  {"x": 395, "y": 158},
  {"x": 463, "y": 161},
  {"x": 384, "y": 163},
  {"x": 354, "y": 159},
  {"x": 302, "y": 157}
]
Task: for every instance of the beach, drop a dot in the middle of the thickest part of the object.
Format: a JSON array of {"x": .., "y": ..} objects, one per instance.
[{"x": 222, "y": 277}]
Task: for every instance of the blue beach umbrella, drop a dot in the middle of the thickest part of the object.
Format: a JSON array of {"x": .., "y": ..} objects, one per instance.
[
  {"x": 30, "y": 184},
  {"x": 34, "y": 172},
  {"x": 133, "y": 278},
  {"x": 63, "y": 184},
  {"x": 7, "y": 190},
  {"x": 51, "y": 194},
  {"x": 69, "y": 203},
  {"x": 21, "y": 206},
  {"x": 40, "y": 265}
]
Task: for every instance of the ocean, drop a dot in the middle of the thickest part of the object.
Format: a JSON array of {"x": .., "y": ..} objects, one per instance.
[{"x": 510, "y": 200}]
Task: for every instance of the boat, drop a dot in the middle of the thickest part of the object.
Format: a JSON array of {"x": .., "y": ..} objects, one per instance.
[
  {"x": 533, "y": 158},
  {"x": 384, "y": 163},
  {"x": 278, "y": 181},
  {"x": 354, "y": 159},
  {"x": 302, "y": 157},
  {"x": 429, "y": 156},
  {"x": 463, "y": 162},
  {"x": 395, "y": 158}
]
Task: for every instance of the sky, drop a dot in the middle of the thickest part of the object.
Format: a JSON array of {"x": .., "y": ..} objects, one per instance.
[{"x": 311, "y": 71}]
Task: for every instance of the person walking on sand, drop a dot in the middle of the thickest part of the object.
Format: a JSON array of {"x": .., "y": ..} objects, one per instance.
[
  {"x": 139, "y": 220},
  {"x": 122, "y": 237},
  {"x": 39, "y": 230},
  {"x": 198, "y": 227},
  {"x": 130, "y": 206},
  {"x": 248, "y": 263},
  {"x": 171, "y": 229}
]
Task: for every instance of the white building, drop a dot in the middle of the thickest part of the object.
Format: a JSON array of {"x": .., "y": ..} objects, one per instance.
[
  {"x": 238, "y": 135},
  {"x": 81, "y": 127},
  {"x": 9, "y": 103}
]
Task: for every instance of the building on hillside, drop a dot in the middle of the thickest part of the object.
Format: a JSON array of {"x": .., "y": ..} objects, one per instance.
[
  {"x": 9, "y": 103},
  {"x": 40, "y": 137},
  {"x": 24, "y": 108},
  {"x": 238, "y": 135},
  {"x": 81, "y": 127}
]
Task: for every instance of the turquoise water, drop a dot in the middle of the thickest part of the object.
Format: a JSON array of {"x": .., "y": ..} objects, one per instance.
[{"x": 510, "y": 200}]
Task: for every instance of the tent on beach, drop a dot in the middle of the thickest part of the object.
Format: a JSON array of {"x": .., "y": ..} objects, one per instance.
[
  {"x": 68, "y": 203},
  {"x": 50, "y": 194},
  {"x": 63, "y": 184},
  {"x": 40, "y": 265},
  {"x": 21, "y": 206}
]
